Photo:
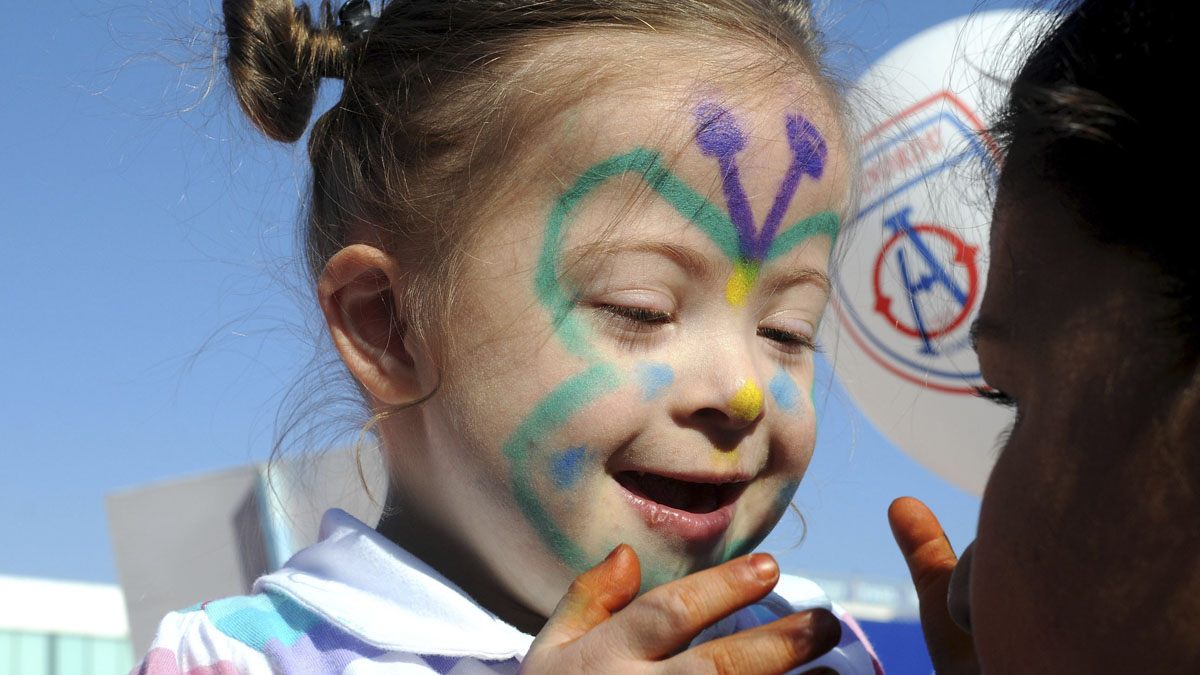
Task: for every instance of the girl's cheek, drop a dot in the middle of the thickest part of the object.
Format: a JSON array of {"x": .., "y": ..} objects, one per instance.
[
  {"x": 789, "y": 398},
  {"x": 772, "y": 508},
  {"x": 568, "y": 465},
  {"x": 795, "y": 418},
  {"x": 653, "y": 379}
]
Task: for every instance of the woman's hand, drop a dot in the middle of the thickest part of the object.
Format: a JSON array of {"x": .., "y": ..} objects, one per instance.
[
  {"x": 930, "y": 561},
  {"x": 599, "y": 626}
]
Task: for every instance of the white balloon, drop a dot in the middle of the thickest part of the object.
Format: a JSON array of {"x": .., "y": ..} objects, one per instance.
[{"x": 910, "y": 268}]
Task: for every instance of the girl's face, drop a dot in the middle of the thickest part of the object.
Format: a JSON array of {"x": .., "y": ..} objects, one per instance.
[{"x": 631, "y": 356}]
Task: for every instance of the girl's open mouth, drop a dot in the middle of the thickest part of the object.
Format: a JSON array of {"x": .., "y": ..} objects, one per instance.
[
  {"x": 681, "y": 494},
  {"x": 693, "y": 510}
]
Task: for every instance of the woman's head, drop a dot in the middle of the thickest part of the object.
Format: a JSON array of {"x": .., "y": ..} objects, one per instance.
[
  {"x": 601, "y": 231},
  {"x": 1088, "y": 544}
]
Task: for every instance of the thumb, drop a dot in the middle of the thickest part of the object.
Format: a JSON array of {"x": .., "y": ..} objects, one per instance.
[
  {"x": 594, "y": 596},
  {"x": 931, "y": 561}
]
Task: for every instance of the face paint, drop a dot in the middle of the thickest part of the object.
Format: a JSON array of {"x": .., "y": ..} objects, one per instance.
[
  {"x": 654, "y": 378},
  {"x": 784, "y": 391},
  {"x": 783, "y": 499},
  {"x": 568, "y": 467},
  {"x": 547, "y": 416},
  {"x": 747, "y": 402},
  {"x": 741, "y": 282},
  {"x": 719, "y": 135},
  {"x": 726, "y": 458}
]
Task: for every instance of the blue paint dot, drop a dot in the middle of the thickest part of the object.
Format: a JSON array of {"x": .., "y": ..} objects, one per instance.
[
  {"x": 784, "y": 389},
  {"x": 654, "y": 378},
  {"x": 784, "y": 498},
  {"x": 568, "y": 467}
]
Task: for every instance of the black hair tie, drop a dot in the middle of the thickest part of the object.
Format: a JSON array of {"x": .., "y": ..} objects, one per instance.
[{"x": 355, "y": 19}]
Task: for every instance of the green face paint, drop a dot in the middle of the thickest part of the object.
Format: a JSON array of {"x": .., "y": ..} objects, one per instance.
[
  {"x": 783, "y": 499},
  {"x": 547, "y": 416},
  {"x": 601, "y": 377}
]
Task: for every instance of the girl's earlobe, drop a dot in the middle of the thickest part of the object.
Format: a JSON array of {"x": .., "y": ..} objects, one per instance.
[{"x": 359, "y": 291}]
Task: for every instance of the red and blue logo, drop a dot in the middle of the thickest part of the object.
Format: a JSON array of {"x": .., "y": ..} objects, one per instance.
[{"x": 911, "y": 283}]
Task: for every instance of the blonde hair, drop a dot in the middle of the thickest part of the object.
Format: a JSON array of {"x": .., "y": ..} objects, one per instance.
[{"x": 400, "y": 161}]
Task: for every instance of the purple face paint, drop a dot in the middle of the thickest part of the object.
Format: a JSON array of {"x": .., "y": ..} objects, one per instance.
[{"x": 719, "y": 135}]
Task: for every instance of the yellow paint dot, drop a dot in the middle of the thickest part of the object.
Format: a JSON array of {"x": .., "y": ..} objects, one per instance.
[
  {"x": 748, "y": 401},
  {"x": 726, "y": 458},
  {"x": 740, "y": 282}
]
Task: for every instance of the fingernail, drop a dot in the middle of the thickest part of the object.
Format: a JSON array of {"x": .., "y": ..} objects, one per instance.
[
  {"x": 764, "y": 567},
  {"x": 613, "y": 553},
  {"x": 827, "y": 630}
]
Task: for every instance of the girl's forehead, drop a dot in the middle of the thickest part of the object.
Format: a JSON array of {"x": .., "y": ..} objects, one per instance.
[
  {"x": 648, "y": 86},
  {"x": 762, "y": 141},
  {"x": 667, "y": 113},
  {"x": 664, "y": 115}
]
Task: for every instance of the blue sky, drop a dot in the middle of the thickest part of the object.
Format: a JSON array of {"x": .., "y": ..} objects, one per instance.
[{"x": 151, "y": 324}]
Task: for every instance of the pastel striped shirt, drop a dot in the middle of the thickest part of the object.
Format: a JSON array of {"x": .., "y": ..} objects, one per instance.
[{"x": 354, "y": 603}]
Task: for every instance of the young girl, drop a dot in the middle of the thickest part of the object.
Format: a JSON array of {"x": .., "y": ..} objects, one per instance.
[
  {"x": 1088, "y": 547},
  {"x": 575, "y": 253}
]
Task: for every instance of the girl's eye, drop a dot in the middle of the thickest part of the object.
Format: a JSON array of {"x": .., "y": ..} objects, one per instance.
[
  {"x": 788, "y": 340},
  {"x": 636, "y": 318},
  {"x": 996, "y": 396}
]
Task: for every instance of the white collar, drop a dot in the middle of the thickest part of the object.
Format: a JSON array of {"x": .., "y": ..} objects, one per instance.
[{"x": 365, "y": 584}]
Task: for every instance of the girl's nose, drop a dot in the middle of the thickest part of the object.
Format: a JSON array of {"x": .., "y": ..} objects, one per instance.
[
  {"x": 745, "y": 407},
  {"x": 730, "y": 404},
  {"x": 719, "y": 391}
]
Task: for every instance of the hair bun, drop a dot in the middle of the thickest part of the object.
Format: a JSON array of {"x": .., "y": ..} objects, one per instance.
[{"x": 276, "y": 59}]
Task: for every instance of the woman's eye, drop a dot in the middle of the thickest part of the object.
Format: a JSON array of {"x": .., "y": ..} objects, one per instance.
[
  {"x": 788, "y": 340},
  {"x": 996, "y": 396},
  {"x": 1001, "y": 399}
]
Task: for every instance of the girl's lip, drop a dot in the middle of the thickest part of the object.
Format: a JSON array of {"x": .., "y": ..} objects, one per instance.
[{"x": 692, "y": 526}]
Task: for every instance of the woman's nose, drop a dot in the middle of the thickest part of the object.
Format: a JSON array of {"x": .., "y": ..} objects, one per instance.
[{"x": 958, "y": 595}]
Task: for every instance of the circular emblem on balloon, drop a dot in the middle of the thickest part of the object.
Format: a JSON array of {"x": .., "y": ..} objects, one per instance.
[{"x": 912, "y": 266}]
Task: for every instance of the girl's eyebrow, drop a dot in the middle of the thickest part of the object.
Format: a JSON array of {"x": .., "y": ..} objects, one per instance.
[
  {"x": 696, "y": 263},
  {"x": 795, "y": 277}
]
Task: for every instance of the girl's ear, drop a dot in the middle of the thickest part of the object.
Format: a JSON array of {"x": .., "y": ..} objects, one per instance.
[{"x": 358, "y": 291}]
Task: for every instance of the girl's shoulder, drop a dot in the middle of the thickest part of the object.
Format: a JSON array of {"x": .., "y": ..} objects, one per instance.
[
  {"x": 352, "y": 602},
  {"x": 271, "y": 633},
  {"x": 852, "y": 656}
]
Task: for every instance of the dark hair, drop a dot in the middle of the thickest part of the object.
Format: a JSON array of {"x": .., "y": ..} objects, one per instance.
[{"x": 1093, "y": 112}]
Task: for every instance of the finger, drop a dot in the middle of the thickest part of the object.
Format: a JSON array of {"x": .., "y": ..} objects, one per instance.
[
  {"x": 771, "y": 649},
  {"x": 924, "y": 545},
  {"x": 931, "y": 561},
  {"x": 668, "y": 617},
  {"x": 594, "y": 596}
]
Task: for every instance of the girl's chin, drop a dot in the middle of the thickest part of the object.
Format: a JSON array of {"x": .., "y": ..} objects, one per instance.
[{"x": 671, "y": 543}]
